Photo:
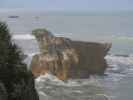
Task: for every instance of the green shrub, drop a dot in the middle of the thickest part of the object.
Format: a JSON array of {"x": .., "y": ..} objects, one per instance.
[
  {"x": 40, "y": 33},
  {"x": 42, "y": 37}
]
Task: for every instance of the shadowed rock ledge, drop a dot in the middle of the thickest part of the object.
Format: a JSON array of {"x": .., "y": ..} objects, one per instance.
[{"x": 66, "y": 58}]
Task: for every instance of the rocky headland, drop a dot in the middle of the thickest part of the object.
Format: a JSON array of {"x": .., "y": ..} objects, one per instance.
[{"x": 66, "y": 58}]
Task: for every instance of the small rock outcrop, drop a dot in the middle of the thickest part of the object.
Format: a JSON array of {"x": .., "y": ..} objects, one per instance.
[{"x": 66, "y": 58}]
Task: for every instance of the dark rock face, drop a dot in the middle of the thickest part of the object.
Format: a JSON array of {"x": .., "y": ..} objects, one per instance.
[
  {"x": 66, "y": 58},
  {"x": 91, "y": 58}
]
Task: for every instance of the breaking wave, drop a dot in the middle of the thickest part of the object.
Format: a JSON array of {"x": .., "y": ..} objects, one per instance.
[
  {"x": 23, "y": 37},
  {"x": 120, "y": 65},
  {"x": 51, "y": 88},
  {"x": 53, "y": 80},
  {"x": 95, "y": 88}
]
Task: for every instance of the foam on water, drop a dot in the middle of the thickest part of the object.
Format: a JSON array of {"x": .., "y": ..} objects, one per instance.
[
  {"x": 96, "y": 87},
  {"x": 23, "y": 37},
  {"x": 119, "y": 67},
  {"x": 51, "y": 88},
  {"x": 53, "y": 80},
  {"x": 120, "y": 59}
]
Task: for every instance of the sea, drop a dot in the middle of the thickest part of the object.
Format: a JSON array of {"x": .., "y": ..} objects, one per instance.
[{"x": 115, "y": 28}]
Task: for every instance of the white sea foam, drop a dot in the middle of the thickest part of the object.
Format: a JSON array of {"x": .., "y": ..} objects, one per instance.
[
  {"x": 115, "y": 73},
  {"x": 42, "y": 93},
  {"x": 42, "y": 96},
  {"x": 53, "y": 80},
  {"x": 32, "y": 54},
  {"x": 119, "y": 67},
  {"x": 49, "y": 82},
  {"x": 48, "y": 78},
  {"x": 120, "y": 59},
  {"x": 23, "y": 37}
]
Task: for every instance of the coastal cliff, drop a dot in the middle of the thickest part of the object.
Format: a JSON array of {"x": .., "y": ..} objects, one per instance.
[{"x": 66, "y": 58}]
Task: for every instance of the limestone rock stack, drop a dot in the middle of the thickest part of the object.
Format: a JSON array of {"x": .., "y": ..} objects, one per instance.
[{"x": 65, "y": 58}]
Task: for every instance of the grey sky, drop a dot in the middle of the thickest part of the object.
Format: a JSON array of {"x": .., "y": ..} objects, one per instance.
[{"x": 68, "y": 5}]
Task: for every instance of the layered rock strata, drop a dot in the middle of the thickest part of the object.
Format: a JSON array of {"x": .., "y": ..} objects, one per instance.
[{"x": 66, "y": 58}]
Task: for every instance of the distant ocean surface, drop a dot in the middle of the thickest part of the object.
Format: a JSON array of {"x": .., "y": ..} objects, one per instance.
[
  {"x": 117, "y": 84},
  {"x": 115, "y": 28}
]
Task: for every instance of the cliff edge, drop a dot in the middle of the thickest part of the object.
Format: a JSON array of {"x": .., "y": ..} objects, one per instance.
[{"x": 66, "y": 58}]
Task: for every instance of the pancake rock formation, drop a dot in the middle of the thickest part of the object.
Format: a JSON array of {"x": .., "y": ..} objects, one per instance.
[{"x": 66, "y": 58}]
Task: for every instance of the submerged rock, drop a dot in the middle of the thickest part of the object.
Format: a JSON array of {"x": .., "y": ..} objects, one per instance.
[{"x": 66, "y": 58}]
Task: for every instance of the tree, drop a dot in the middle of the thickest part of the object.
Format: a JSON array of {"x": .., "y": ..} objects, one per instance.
[{"x": 13, "y": 71}]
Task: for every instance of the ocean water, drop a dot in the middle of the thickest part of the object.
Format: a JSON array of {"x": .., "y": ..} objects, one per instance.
[{"x": 116, "y": 84}]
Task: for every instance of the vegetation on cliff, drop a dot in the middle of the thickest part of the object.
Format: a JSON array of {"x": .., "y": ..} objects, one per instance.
[
  {"x": 39, "y": 34},
  {"x": 17, "y": 83}
]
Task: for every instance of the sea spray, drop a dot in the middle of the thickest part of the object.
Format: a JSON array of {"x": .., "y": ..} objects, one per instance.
[{"x": 50, "y": 87}]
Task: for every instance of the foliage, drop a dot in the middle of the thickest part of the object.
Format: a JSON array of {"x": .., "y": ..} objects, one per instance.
[
  {"x": 40, "y": 33},
  {"x": 12, "y": 69},
  {"x": 42, "y": 36}
]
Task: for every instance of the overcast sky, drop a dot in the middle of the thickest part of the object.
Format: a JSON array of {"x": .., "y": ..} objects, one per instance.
[{"x": 68, "y": 5}]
